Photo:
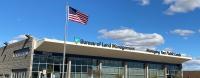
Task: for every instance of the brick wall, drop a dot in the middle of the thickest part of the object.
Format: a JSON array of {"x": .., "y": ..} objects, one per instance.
[{"x": 191, "y": 74}]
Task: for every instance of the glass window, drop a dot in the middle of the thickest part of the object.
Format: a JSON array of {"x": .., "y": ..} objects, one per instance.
[
  {"x": 34, "y": 74},
  {"x": 174, "y": 71},
  {"x": 24, "y": 74},
  {"x": 42, "y": 67},
  {"x": 56, "y": 68},
  {"x": 43, "y": 59},
  {"x": 73, "y": 69},
  {"x": 61, "y": 66},
  {"x": 136, "y": 70},
  {"x": 50, "y": 59},
  {"x": 112, "y": 63},
  {"x": 83, "y": 68},
  {"x": 57, "y": 60},
  {"x": 156, "y": 70},
  {"x": 78, "y": 68},
  {"x": 13, "y": 75},
  {"x": 49, "y": 68},
  {"x": 35, "y": 67},
  {"x": 36, "y": 59},
  {"x": 18, "y": 74},
  {"x": 52, "y": 62},
  {"x": 112, "y": 69}
]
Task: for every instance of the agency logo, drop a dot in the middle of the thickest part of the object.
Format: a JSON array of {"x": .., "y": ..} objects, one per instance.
[{"x": 77, "y": 40}]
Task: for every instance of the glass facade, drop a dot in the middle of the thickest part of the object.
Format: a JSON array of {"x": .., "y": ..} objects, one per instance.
[
  {"x": 156, "y": 71},
  {"x": 136, "y": 70},
  {"x": 49, "y": 62},
  {"x": 112, "y": 69},
  {"x": 89, "y": 67},
  {"x": 83, "y": 67},
  {"x": 174, "y": 71}
]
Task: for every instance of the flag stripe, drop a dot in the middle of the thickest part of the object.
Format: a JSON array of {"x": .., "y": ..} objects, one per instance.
[{"x": 76, "y": 16}]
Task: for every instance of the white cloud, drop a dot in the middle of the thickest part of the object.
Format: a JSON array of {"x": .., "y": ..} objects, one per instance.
[
  {"x": 17, "y": 38},
  {"x": 181, "y": 6},
  {"x": 192, "y": 65},
  {"x": 183, "y": 32},
  {"x": 169, "y": 1},
  {"x": 129, "y": 37},
  {"x": 168, "y": 49},
  {"x": 176, "y": 6},
  {"x": 143, "y": 2},
  {"x": 185, "y": 55}
]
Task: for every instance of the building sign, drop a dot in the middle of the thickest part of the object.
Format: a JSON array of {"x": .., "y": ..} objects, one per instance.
[
  {"x": 21, "y": 52},
  {"x": 163, "y": 52},
  {"x": 109, "y": 45}
]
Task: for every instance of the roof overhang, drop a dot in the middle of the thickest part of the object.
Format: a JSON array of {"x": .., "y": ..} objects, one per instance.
[{"x": 49, "y": 45}]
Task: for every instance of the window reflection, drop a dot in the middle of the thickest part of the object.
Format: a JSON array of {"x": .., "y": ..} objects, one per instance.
[
  {"x": 87, "y": 67},
  {"x": 42, "y": 67},
  {"x": 112, "y": 69},
  {"x": 156, "y": 70},
  {"x": 52, "y": 63},
  {"x": 35, "y": 67},
  {"x": 83, "y": 68},
  {"x": 36, "y": 59},
  {"x": 136, "y": 70},
  {"x": 174, "y": 71}
]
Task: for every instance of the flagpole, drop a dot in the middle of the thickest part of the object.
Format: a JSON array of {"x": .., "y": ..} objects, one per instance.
[
  {"x": 68, "y": 61},
  {"x": 65, "y": 38}
]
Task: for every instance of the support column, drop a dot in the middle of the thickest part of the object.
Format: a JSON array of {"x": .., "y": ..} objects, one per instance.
[
  {"x": 29, "y": 71},
  {"x": 69, "y": 69},
  {"x": 181, "y": 70},
  {"x": 165, "y": 71},
  {"x": 125, "y": 70},
  {"x": 146, "y": 70},
  {"x": 181, "y": 74},
  {"x": 99, "y": 69}
]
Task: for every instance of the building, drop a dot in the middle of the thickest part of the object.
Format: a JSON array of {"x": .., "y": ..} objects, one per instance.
[
  {"x": 191, "y": 74},
  {"x": 31, "y": 58}
]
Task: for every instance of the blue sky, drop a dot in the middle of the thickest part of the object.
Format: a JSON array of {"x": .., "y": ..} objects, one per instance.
[{"x": 162, "y": 24}]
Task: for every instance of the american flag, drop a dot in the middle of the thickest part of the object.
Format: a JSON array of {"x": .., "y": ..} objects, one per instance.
[{"x": 77, "y": 16}]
